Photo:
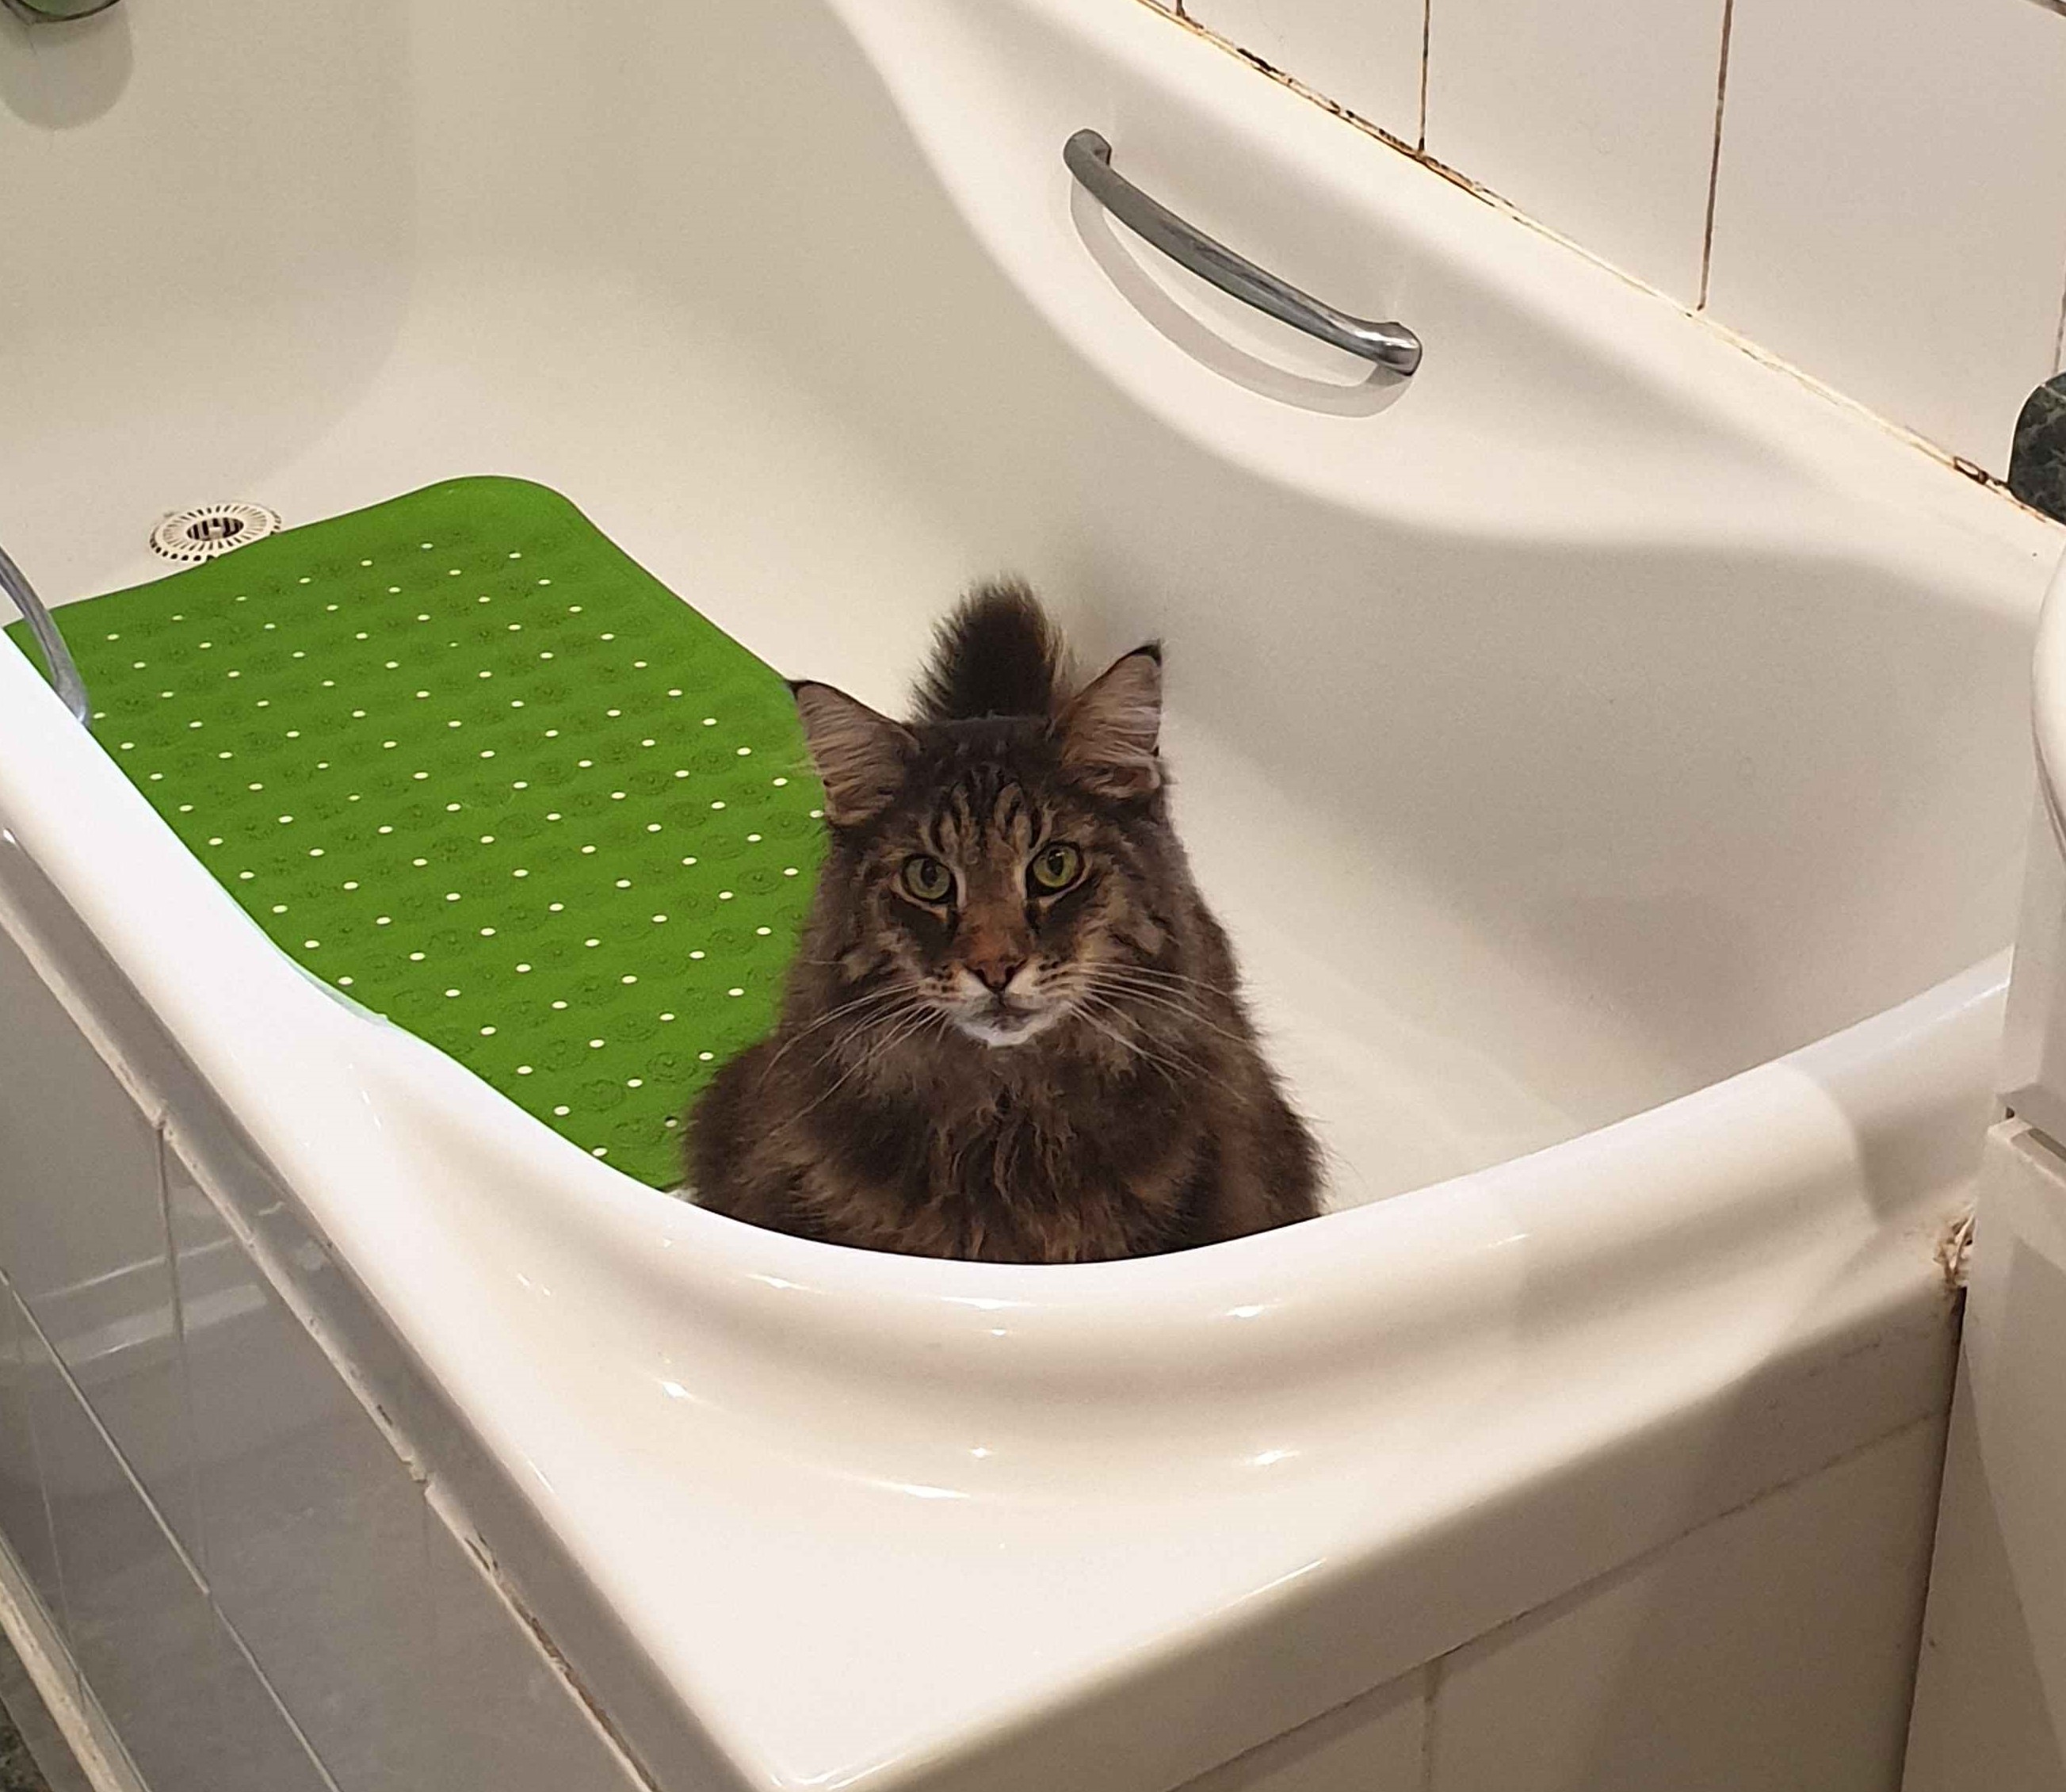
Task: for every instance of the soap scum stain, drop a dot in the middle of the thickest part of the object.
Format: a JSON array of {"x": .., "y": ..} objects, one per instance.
[{"x": 1954, "y": 1250}]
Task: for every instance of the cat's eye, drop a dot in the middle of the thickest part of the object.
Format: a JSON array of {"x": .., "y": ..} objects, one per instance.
[
  {"x": 927, "y": 879},
  {"x": 1054, "y": 868}
]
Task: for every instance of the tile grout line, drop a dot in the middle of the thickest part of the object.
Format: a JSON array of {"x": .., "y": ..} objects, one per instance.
[
  {"x": 63, "y": 1616},
  {"x": 1431, "y": 1689},
  {"x": 82, "y": 1727},
  {"x": 109, "y": 1768},
  {"x": 279, "y": 1704},
  {"x": 179, "y": 1346},
  {"x": 2059, "y": 346},
  {"x": 63, "y": 1371},
  {"x": 196, "y": 1490},
  {"x": 1427, "y": 39},
  {"x": 1715, "y": 158},
  {"x": 201, "y": 1584}
]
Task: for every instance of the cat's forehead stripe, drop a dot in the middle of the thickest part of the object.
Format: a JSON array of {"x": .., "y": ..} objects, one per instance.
[
  {"x": 1016, "y": 816},
  {"x": 980, "y": 808}
]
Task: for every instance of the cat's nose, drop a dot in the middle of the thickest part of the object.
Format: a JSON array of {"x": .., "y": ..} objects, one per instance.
[{"x": 995, "y": 974}]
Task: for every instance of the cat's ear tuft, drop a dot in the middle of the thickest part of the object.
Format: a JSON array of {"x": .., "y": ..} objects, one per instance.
[
  {"x": 1109, "y": 728},
  {"x": 861, "y": 756}
]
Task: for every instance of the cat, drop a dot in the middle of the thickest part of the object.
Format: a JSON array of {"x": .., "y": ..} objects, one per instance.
[{"x": 1013, "y": 1030}]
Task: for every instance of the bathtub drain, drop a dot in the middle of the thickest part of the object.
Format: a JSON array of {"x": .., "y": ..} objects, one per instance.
[{"x": 210, "y": 529}]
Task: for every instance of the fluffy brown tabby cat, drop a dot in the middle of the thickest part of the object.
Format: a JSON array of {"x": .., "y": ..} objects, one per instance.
[{"x": 1013, "y": 1030}]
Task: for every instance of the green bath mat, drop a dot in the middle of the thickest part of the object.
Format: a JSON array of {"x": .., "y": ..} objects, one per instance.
[{"x": 461, "y": 758}]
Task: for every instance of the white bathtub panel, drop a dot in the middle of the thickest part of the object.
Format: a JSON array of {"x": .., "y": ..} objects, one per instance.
[
  {"x": 1771, "y": 1651},
  {"x": 1990, "y": 1693},
  {"x": 1373, "y": 1744},
  {"x": 315, "y": 1530},
  {"x": 1908, "y": 252},
  {"x": 1364, "y": 55},
  {"x": 1981, "y": 1720},
  {"x": 24, "y": 1518},
  {"x": 514, "y": 1724},
  {"x": 1597, "y": 120}
]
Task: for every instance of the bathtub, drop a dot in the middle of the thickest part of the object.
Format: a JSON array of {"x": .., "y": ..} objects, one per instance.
[{"x": 1607, "y": 751}]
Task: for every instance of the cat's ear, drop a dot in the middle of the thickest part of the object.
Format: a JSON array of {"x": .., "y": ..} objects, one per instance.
[
  {"x": 861, "y": 756},
  {"x": 1107, "y": 730}
]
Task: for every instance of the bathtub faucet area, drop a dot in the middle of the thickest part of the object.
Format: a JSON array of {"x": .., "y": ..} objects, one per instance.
[{"x": 70, "y": 688}]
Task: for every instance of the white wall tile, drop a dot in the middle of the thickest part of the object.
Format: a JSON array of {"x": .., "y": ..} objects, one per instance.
[
  {"x": 314, "y": 1529},
  {"x": 1372, "y": 1744},
  {"x": 1364, "y": 55},
  {"x": 514, "y": 1725},
  {"x": 24, "y": 1519},
  {"x": 1597, "y": 120},
  {"x": 378, "y": 1634},
  {"x": 184, "y": 1702},
  {"x": 1771, "y": 1651},
  {"x": 1890, "y": 211}
]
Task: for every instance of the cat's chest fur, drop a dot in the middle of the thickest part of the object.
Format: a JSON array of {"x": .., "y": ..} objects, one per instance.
[{"x": 1071, "y": 1169}]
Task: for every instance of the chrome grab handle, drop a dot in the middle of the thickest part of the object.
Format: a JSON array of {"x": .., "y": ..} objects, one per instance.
[
  {"x": 54, "y": 12},
  {"x": 1089, "y": 157},
  {"x": 64, "y": 675}
]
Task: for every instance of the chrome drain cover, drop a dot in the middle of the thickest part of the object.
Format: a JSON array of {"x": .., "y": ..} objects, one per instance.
[{"x": 210, "y": 529}]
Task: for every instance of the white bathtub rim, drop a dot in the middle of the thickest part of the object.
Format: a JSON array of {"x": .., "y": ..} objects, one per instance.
[
  {"x": 2049, "y": 699},
  {"x": 280, "y": 1053},
  {"x": 88, "y": 828}
]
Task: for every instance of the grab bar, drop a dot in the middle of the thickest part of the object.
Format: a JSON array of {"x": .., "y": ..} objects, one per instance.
[
  {"x": 55, "y": 12},
  {"x": 1089, "y": 157},
  {"x": 64, "y": 675}
]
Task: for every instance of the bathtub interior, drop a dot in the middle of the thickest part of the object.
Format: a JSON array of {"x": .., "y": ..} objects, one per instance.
[
  {"x": 1556, "y": 748},
  {"x": 1598, "y": 715}
]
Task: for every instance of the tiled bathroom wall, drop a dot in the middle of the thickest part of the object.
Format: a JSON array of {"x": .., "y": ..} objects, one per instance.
[
  {"x": 1874, "y": 192},
  {"x": 249, "y": 1580}
]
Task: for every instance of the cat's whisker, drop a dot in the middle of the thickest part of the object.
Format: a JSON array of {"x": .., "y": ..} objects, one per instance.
[
  {"x": 1084, "y": 1006},
  {"x": 860, "y": 1032},
  {"x": 844, "y": 1011},
  {"x": 1157, "y": 973},
  {"x": 1163, "y": 1001},
  {"x": 1134, "y": 967},
  {"x": 1184, "y": 988},
  {"x": 913, "y": 1022},
  {"x": 1155, "y": 1060},
  {"x": 1187, "y": 990},
  {"x": 1160, "y": 1053}
]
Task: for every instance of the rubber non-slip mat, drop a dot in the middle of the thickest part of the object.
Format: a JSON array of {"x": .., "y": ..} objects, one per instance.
[{"x": 462, "y": 759}]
